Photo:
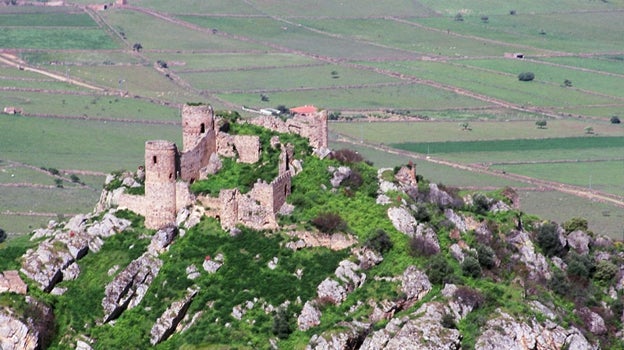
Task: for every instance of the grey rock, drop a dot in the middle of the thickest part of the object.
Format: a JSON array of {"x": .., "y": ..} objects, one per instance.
[
  {"x": 166, "y": 324},
  {"x": 347, "y": 272},
  {"x": 161, "y": 240},
  {"x": 430, "y": 238},
  {"x": 593, "y": 322},
  {"x": 456, "y": 219},
  {"x": 382, "y": 199},
  {"x": 579, "y": 241},
  {"x": 15, "y": 335},
  {"x": 367, "y": 257},
  {"x": 310, "y": 316},
  {"x": 71, "y": 272},
  {"x": 128, "y": 288},
  {"x": 81, "y": 345},
  {"x": 191, "y": 272},
  {"x": 331, "y": 291},
  {"x": 339, "y": 175},
  {"x": 525, "y": 252},
  {"x": 45, "y": 265},
  {"x": 422, "y": 330},
  {"x": 457, "y": 252},
  {"x": 415, "y": 283},
  {"x": 439, "y": 197},
  {"x": 402, "y": 220}
]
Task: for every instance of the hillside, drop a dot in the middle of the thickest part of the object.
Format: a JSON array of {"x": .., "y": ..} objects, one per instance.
[{"x": 361, "y": 259}]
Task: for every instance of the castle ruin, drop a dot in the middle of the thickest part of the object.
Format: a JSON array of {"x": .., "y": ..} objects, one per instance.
[{"x": 169, "y": 171}]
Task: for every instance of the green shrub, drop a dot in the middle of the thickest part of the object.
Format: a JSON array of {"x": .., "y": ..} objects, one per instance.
[
  {"x": 281, "y": 324},
  {"x": 329, "y": 223},
  {"x": 420, "y": 246},
  {"x": 548, "y": 240},
  {"x": 580, "y": 266},
  {"x": 559, "y": 283},
  {"x": 575, "y": 224},
  {"x": 439, "y": 270},
  {"x": 346, "y": 156},
  {"x": 615, "y": 120},
  {"x": 380, "y": 241},
  {"x": 526, "y": 76},
  {"x": 448, "y": 321},
  {"x": 486, "y": 256},
  {"x": 605, "y": 271},
  {"x": 470, "y": 267}
]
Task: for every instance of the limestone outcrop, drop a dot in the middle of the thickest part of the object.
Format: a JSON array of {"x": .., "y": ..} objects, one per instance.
[
  {"x": 11, "y": 282},
  {"x": 169, "y": 320},
  {"x": 128, "y": 288},
  {"x": 15, "y": 335}
]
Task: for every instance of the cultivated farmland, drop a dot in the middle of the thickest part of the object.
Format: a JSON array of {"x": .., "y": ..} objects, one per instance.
[{"x": 92, "y": 85}]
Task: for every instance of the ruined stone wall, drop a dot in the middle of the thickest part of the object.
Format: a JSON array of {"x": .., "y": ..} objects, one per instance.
[
  {"x": 311, "y": 126},
  {"x": 247, "y": 147},
  {"x": 196, "y": 121},
  {"x": 194, "y": 159},
  {"x": 137, "y": 204},
  {"x": 160, "y": 183},
  {"x": 280, "y": 190},
  {"x": 229, "y": 208}
]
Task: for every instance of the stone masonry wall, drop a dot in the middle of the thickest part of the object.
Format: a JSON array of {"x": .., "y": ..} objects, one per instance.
[
  {"x": 311, "y": 126},
  {"x": 247, "y": 147},
  {"x": 280, "y": 190},
  {"x": 194, "y": 159}
]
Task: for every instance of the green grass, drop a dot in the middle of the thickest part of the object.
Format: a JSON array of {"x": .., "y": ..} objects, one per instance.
[
  {"x": 601, "y": 176},
  {"x": 589, "y": 81},
  {"x": 549, "y": 144},
  {"x": 346, "y": 9},
  {"x": 411, "y": 38},
  {"x": 441, "y": 131},
  {"x": 56, "y": 38},
  {"x": 67, "y": 200},
  {"x": 507, "y": 87},
  {"x": 377, "y": 98},
  {"x": 493, "y": 7},
  {"x": 61, "y": 144},
  {"x": 47, "y": 20},
  {"x": 602, "y": 218},
  {"x": 565, "y": 32},
  {"x": 184, "y": 62},
  {"x": 77, "y": 57},
  {"x": 284, "y": 78},
  {"x": 153, "y": 33},
  {"x": 607, "y": 63},
  {"x": 296, "y": 37},
  {"x": 94, "y": 106}
]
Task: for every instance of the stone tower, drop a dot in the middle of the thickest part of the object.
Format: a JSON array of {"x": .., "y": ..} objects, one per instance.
[
  {"x": 160, "y": 183},
  {"x": 197, "y": 120}
]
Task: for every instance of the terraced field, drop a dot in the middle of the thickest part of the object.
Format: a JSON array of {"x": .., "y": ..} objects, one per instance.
[{"x": 94, "y": 85}]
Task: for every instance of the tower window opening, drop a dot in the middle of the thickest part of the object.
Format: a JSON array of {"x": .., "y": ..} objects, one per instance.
[
  {"x": 202, "y": 128},
  {"x": 170, "y": 176},
  {"x": 154, "y": 160}
]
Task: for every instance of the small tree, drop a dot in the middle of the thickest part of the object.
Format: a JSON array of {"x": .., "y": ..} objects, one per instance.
[
  {"x": 459, "y": 17},
  {"x": 329, "y": 223},
  {"x": 589, "y": 130},
  {"x": 264, "y": 98},
  {"x": 615, "y": 120},
  {"x": 548, "y": 240},
  {"x": 526, "y": 76},
  {"x": 3, "y": 235},
  {"x": 541, "y": 124},
  {"x": 567, "y": 83},
  {"x": 281, "y": 324},
  {"x": 471, "y": 267},
  {"x": 58, "y": 183},
  {"x": 137, "y": 47},
  {"x": 465, "y": 126}
]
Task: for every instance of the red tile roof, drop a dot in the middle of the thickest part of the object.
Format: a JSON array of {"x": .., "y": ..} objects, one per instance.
[{"x": 304, "y": 109}]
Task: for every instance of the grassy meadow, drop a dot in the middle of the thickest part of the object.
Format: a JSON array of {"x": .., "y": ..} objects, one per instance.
[{"x": 358, "y": 58}]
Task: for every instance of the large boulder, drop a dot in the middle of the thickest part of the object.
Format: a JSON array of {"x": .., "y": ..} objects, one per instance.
[
  {"x": 347, "y": 272},
  {"x": 169, "y": 320},
  {"x": 421, "y": 330},
  {"x": 330, "y": 291},
  {"x": 505, "y": 332},
  {"x": 579, "y": 241},
  {"x": 402, "y": 220},
  {"x": 128, "y": 288},
  {"x": 15, "y": 335},
  {"x": 456, "y": 219},
  {"x": 415, "y": 283},
  {"x": 310, "y": 316},
  {"x": 525, "y": 252},
  {"x": 439, "y": 197}
]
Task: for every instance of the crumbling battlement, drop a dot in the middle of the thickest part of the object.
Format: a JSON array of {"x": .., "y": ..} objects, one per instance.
[{"x": 312, "y": 126}]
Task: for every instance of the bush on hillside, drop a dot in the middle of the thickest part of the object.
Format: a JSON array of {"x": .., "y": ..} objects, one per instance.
[
  {"x": 615, "y": 120},
  {"x": 471, "y": 267},
  {"x": 380, "y": 241},
  {"x": 486, "y": 256},
  {"x": 420, "y": 246},
  {"x": 329, "y": 223},
  {"x": 575, "y": 224},
  {"x": 346, "y": 156},
  {"x": 548, "y": 240},
  {"x": 440, "y": 271},
  {"x": 526, "y": 76}
]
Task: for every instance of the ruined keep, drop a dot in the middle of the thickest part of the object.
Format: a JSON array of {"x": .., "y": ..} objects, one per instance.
[{"x": 169, "y": 171}]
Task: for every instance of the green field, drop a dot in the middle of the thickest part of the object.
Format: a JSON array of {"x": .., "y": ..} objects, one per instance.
[{"x": 361, "y": 59}]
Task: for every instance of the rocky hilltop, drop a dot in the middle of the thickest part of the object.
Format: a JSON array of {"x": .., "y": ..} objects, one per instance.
[{"x": 360, "y": 259}]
